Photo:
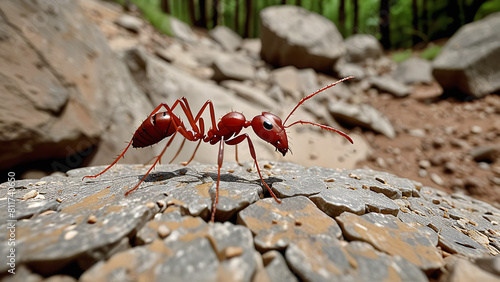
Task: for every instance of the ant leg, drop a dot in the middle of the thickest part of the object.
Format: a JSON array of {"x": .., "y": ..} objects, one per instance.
[
  {"x": 194, "y": 153},
  {"x": 178, "y": 151},
  {"x": 154, "y": 164},
  {"x": 202, "y": 133},
  {"x": 238, "y": 139},
  {"x": 112, "y": 164},
  {"x": 219, "y": 163},
  {"x": 236, "y": 154}
]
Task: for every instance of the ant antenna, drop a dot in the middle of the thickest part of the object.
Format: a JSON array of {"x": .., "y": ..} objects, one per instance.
[{"x": 312, "y": 95}]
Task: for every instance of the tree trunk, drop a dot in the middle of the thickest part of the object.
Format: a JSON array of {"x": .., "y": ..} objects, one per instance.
[
  {"x": 237, "y": 16},
  {"x": 165, "y": 7},
  {"x": 425, "y": 19},
  {"x": 248, "y": 9},
  {"x": 356, "y": 14},
  {"x": 385, "y": 16},
  {"x": 414, "y": 10},
  {"x": 342, "y": 16},
  {"x": 215, "y": 13},
  {"x": 192, "y": 14},
  {"x": 203, "y": 13}
]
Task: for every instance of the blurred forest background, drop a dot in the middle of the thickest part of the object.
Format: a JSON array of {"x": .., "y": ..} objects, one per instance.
[{"x": 396, "y": 23}]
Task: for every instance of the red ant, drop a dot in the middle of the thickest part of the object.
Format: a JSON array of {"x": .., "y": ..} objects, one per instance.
[{"x": 267, "y": 126}]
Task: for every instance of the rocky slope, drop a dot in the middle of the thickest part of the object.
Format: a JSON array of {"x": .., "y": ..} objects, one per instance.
[{"x": 353, "y": 225}]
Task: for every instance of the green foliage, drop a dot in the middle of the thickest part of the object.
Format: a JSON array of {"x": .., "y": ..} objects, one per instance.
[
  {"x": 430, "y": 53},
  {"x": 151, "y": 10},
  {"x": 489, "y": 7},
  {"x": 399, "y": 57}
]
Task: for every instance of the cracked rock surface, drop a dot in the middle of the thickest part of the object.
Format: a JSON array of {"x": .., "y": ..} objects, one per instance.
[{"x": 346, "y": 225}]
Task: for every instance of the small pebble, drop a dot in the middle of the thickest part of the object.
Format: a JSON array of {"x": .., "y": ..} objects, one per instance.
[
  {"x": 70, "y": 235},
  {"x": 417, "y": 132},
  {"x": 29, "y": 195},
  {"x": 352, "y": 175},
  {"x": 92, "y": 219},
  {"x": 436, "y": 179},
  {"x": 424, "y": 163},
  {"x": 163, "y": 231},
  {"x": 484, "y": 166},
  {"x": 39, "y": 183},
  {"x": 476, "y": 129},
  {"x": 450, "y": 167},
  {"x": 150, "y": 205}
]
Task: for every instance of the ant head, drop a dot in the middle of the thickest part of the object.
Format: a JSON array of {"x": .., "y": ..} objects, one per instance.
[{"x": 269, "y": 128}]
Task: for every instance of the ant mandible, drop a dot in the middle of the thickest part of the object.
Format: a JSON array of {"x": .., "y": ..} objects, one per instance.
[{"x": 267, "y": 126}]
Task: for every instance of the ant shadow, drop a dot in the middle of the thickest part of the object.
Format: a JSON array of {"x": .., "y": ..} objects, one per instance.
[
  {"x": 167, "y": 175},
  {"x": 229, "y": 177},
  {"x": 224, "y": 177}
]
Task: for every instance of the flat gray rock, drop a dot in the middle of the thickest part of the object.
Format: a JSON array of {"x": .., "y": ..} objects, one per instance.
[
  {"x": 388, "y": 234},
  {"x": 226, "y": 37},
  {"x": 276, "y": 225},
  {"x": 414, "y": 70},
  {"x": 390, "y": 85},
  {"x": 364, "y": 116},
  {"x": 361, "y": 224}
]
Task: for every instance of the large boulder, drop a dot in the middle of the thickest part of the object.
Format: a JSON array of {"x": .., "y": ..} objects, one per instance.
[
  {"x": 470, "y": 60},
  {"x": 292, "y": 35},
  {"x": 62, "y": 88}
]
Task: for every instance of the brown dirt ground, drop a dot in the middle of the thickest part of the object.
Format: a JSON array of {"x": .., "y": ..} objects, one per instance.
[{"x": 452, "y": 127}]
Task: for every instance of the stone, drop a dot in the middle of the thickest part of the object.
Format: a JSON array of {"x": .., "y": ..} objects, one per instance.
[
  {"x": 129, "y": 22},
  {"x": 90, "y": 230},
  {"x": 322, "y": 258},
  {"x": 436, "y": 179},
  {"x": 298, "y": 182},
  {"x": 461, "y": 65},
  {"x": 276, "y": 225},
  {"x": 277, "y": 268},
  {"x": 489, "y": 264},
  {"x": 389, "y": 85},
  {"x": 414, "y": 70},
  {"x": 182, "y": 31},
  {"x": 226, "y": 37},
  {"x": 350, "y": 69},
  {"x": 308, "y": 81},
  {"x": 462, "y": 270},
  {"x": 485, "y": 153},
  {"x": 364, "y": 116},
  {"x": 386, "y": 233},
  {"x": 361, "y": 47},
  {"x": 65, "y": 111},
  {"x": 287, "y": 39},
  {"x": 287, "y": 78},
  {"x": 250, "y": 94},
  {"x": 252, "y": 46},
  {"x": 232, "y": 67}
]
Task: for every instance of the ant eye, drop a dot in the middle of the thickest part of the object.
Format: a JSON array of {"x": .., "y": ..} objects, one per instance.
[{"x": 267, "y": 125}]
